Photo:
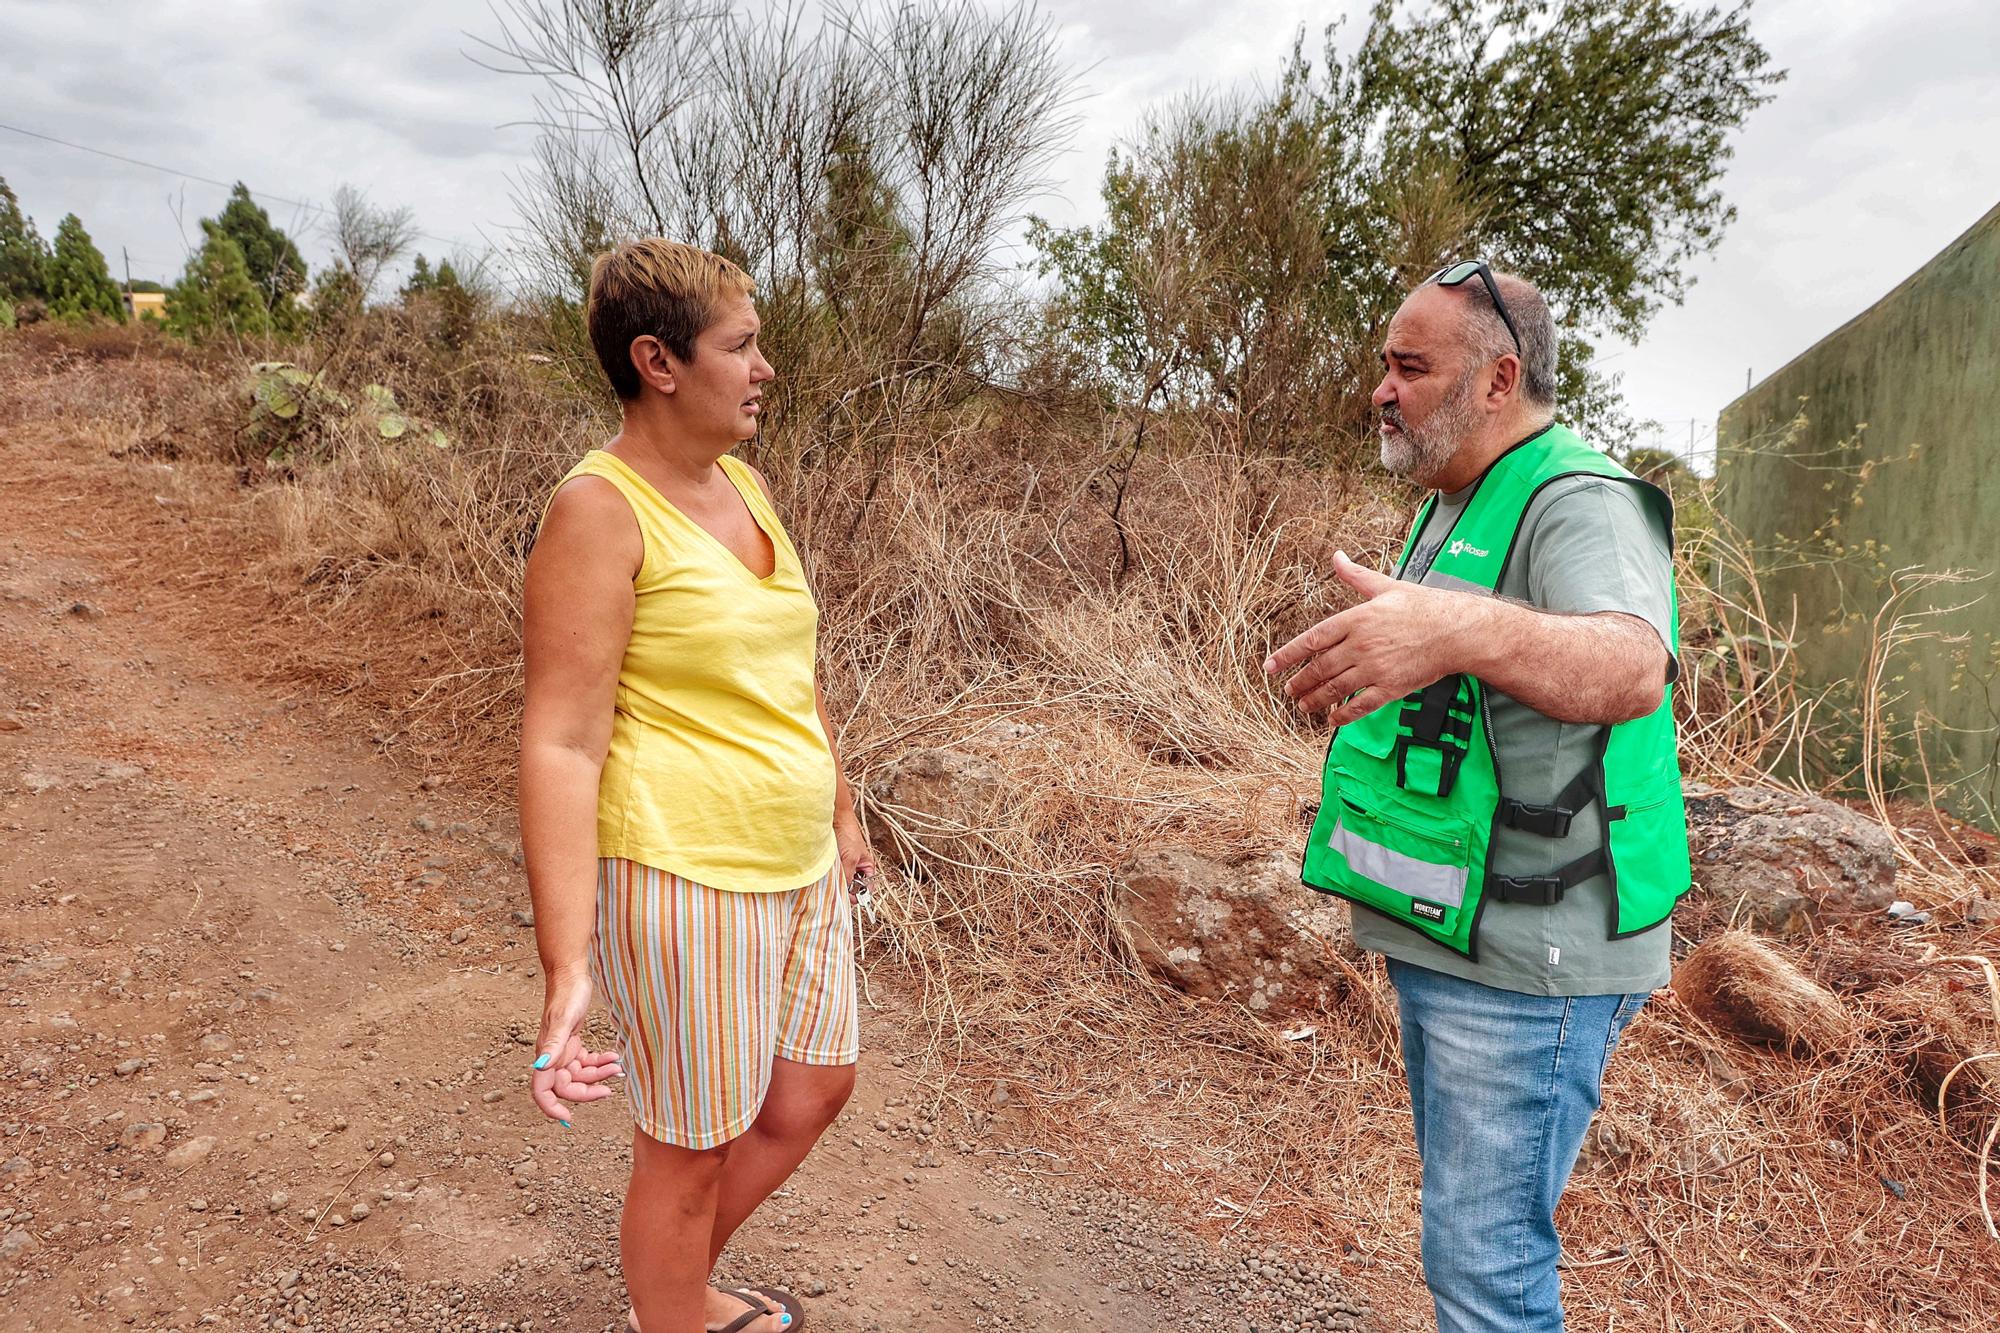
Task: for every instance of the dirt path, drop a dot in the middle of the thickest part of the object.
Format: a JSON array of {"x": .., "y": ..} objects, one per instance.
[{"x": 265, "y": 1040}]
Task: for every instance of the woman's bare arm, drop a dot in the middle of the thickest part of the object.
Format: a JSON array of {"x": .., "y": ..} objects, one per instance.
[
  {"x": 576, "y": 620},
  {"x": 856, "y": 857}
]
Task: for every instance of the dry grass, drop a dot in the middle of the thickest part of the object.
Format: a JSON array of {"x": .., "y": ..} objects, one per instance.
[{"x": 973, "y": 601}]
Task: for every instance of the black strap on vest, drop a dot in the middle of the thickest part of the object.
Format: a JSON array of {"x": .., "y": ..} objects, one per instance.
[
  {"x": 1437, "y": 718},
  {"x": 1551, "y": 820},
  {"x": 1548, "y": 890}
]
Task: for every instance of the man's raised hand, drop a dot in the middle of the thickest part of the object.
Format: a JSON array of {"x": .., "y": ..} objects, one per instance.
[{"x": 1400, "y": 638}]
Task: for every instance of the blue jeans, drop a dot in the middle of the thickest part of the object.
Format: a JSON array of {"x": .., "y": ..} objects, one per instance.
[{"x": 1502, "y": 1087}]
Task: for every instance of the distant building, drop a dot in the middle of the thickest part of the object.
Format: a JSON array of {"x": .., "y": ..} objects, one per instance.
[
  {"x": 145, "y": 305},
  {"x": 1875, "y": 450}
]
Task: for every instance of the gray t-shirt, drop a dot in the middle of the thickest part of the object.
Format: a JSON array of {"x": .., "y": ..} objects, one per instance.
[{"x": 1586, "y": 544}]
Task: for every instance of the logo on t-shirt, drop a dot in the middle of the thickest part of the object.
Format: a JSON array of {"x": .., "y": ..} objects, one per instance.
[{"x": 1459, "y": 547}]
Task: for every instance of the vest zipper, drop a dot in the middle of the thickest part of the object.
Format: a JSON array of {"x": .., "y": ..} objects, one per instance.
[
  {"x": 1414, "y": 830},
  {"x": 1492, "y": 747}
]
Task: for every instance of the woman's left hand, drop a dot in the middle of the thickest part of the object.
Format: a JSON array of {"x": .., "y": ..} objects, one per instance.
[{"x": 856, "y": 856}]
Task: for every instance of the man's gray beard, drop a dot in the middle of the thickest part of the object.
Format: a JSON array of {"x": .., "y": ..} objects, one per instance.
[{"x": 1421, "y": 453}]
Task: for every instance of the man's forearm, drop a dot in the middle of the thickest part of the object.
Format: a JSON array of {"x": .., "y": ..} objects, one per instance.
[{"x": 1598, "y": 669}]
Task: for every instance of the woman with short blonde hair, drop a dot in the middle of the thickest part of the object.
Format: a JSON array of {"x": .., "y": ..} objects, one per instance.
[{"x": 688, "y": 834}]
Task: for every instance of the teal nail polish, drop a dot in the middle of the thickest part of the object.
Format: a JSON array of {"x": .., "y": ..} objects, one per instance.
[
  {"x": 541, "y": 1062},
  {"x": 564, "y": 1123},
  {"x": 784, "y": 1321}
]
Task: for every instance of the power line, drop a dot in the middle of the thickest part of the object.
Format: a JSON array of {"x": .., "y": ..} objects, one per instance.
[
  {"x": 205, "y": 180},
  {"x": 155, "y": 166}
]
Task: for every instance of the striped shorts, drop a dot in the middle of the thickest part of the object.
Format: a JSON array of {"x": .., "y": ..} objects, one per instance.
[{"x": 707, "y": 987}]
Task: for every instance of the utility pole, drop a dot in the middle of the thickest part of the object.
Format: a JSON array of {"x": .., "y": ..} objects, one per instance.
[{"x": 127, "y": 256}]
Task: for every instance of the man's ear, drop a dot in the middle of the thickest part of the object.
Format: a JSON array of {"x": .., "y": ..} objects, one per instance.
[
  {"x": 650, "y": 359},
  {"x": 1505, "y": 379}
]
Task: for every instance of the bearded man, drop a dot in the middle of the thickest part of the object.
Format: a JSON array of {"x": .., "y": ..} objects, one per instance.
[{"x": 1502, "y": 796}]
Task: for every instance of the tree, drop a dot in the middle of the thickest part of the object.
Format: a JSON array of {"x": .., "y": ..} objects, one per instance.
[
  {"x": 273, "y": 262},
  {"x": 1593, "y": 133},
  {"x": 368, "y": 239},
  {"x": 1578, "y": 142},
  {"x": 1211, "y": 282},
  {"x": 336, "y": 300},
  {"x": 79, "y": 282},
  {"x": 449, "y": 306},
  {"x": 216, "y": 294},
  {"x": 24, "y": 258},
  {"x": 427, "y": 281},
  {"x": 421, "y": 278},
  {"x": 865, "y": 171},
  {"x": 458, "y": 305},
  {"x": 861, "y": 255}
]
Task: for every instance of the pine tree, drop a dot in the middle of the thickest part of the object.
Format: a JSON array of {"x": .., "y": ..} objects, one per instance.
[
  {"x": 421, "y": 278},
  {"x": 273, "y": 262},
  {"x": 216, "y": 294},
  {"x": 337, "y": 299},
  {"x": 24, "y": 259},
  {"x": 452, "y": 308},
  {"x": 79, "y": 281},
  {"x": 861, "y": 241},
  {"x": 861, "y": 255},
  {"x": 458, "y": 307}
]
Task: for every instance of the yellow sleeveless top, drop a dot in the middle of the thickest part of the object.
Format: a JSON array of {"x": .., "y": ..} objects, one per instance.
[{"x": 719, "y": 770}]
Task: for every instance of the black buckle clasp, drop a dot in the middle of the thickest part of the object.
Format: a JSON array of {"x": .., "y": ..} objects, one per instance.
[
  {"x": 1548, "y": 821},
  {"x": 1535, "y": 890}
]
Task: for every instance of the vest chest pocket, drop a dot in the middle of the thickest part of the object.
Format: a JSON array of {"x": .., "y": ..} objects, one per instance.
[
  {"x": 1421, "y": 740},
  {"x": 1373, "y": 735},
  {"x": 1413, "y": 868}
]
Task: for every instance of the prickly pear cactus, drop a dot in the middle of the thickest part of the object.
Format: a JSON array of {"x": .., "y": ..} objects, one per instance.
[{"x": 294, "y": 412}]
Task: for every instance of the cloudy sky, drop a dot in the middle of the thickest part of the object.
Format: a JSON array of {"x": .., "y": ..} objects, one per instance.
[{"x": 1878, "y": 150}]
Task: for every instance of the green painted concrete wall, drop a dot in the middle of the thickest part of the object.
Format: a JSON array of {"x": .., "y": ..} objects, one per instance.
[{"x": 1900, "y": 447}]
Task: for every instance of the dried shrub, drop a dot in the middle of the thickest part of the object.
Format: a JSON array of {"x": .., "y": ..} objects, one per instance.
[{"x": 1741, "y": 985}]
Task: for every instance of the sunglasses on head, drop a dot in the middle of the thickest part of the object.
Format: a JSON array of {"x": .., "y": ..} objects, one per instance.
[{"x": 1452, "y": 275}]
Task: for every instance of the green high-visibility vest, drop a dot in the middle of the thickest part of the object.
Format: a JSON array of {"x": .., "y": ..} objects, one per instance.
[{"x": 1412, "y": 792}]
